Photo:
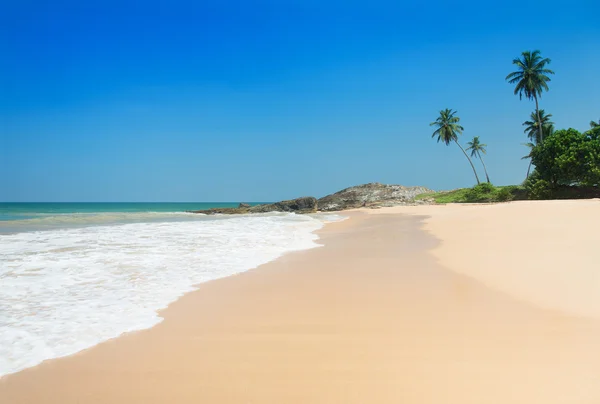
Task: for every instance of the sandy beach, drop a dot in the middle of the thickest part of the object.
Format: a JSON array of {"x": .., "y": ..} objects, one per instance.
[{"x": 428, "y": 304}]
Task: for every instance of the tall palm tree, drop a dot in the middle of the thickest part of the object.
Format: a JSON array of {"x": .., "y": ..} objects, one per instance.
[
  {"x": 477, "y": 148},
  {"x": 594, "y": 124},
  {"x": 531, "y": 79},
  {"x": 531, "y": 146},
  {"x": 532, "y": 127},
  {"x": 447, "y": 131}
]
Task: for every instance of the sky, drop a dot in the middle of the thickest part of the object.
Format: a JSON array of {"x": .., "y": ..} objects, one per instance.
[{"x": 262, "y": 100}]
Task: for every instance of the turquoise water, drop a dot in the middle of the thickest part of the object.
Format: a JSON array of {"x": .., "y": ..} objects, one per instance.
[
  {"x": 18, "y": 217},
  {"x": 29, "y": 210}
]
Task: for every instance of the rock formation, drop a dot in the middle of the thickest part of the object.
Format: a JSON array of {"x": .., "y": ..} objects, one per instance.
[
  {"x": 371, "y": 195},
  {"x": 307, "y": 204},
  {"x": 368, "y": 195}
]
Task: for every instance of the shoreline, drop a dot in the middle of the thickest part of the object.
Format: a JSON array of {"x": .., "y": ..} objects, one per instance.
[
  {"x": 162, "y": 312},
  {"x": 303, "y": 240},
  {"x": 372, "y": 316}
]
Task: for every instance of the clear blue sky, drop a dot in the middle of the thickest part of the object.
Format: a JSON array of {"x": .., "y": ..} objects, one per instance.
[{"x": 261, "y": 100}]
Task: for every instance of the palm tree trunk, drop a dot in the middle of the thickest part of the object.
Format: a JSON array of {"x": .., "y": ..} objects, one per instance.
[
  {"x": 470, "y": 162},
  {"x": 484, "y": 168},
  {"x": 528, "y": 169},
  {"x": 537, "y": 111}
]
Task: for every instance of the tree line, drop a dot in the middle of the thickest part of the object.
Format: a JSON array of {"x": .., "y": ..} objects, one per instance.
[{"x": 561, "y": 158}]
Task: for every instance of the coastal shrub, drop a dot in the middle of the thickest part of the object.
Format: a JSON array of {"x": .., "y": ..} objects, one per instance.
[
  {"x": 591, "y": 148},
  {"x": 517, "y": 192},
  {"x": 485, "y": 187},
  {"x": 480, "y": 193},
  {"x": 484, "y": 192},
  {"x": 454, "y": 196},
  {"x": 567, "y": 158},
  {"x": 504, "y": 195},
  {"x": 538, "y": 188},
  {"x": 541, "y": 189}
]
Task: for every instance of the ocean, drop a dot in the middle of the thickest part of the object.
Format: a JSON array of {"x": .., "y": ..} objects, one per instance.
[{"x": 75, "y": 274}]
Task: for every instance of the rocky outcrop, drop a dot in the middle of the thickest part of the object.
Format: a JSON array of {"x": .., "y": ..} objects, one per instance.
[
  {"x": 371, "y": 195},
  {"x": 221, "y": 211},
  {"x": 307, "y": 204}
]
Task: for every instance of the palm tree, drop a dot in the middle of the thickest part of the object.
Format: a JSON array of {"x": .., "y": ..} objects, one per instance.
[
  {"x": 531, "y": 127},
  {"x": 534, "y": 135},
  {"x": 531, "y": 79},
  {"x": 594, "y": 124},
  {"x": 477, "y": 148},
  {"x": 531, "y": 146},
  {"x": 447, "y": 131}
]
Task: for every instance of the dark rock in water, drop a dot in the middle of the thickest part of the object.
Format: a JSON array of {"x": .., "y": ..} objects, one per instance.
[
  {"x": 222, "y": 211},
  {"x": 306, "y": 204},
  {"x": 371, "y": 195}
]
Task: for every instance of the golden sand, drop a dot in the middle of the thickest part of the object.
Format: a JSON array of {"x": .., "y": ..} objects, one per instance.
[{"x": 385, "y": 312}]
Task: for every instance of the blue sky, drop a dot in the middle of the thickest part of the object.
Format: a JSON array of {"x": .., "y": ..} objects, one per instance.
[{"x": 265, "y": 100}]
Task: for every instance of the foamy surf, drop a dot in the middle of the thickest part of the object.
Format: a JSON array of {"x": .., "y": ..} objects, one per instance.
[{"x": 65, "y": 290}]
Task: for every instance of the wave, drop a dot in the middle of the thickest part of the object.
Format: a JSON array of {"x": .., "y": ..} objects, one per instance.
[
  {"x": 45, "y": 221},
  {"x": 68, "y": 289}
]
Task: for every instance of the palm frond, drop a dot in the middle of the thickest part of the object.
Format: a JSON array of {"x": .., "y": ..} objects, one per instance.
[
  {"x": 531, "y": 78},
  {"x": 448, "y": 127},
  {"x": 476, "y": 147}
]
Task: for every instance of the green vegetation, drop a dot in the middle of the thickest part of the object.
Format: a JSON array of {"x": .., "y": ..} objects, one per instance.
[
  {"x": 567, "y": 162},
  {"x": 531, "y": 127},
  {"x": 447, "y": 131},
  {"x": 534, "y": 134},
  {"x": 530, "y": 146},
  {"x": 481, "y": 193},
  {"x": 566, "y": 159}
]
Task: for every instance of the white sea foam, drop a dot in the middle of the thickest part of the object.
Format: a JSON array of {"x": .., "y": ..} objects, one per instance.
[
  {"x": 66, "y": 290},
  {"x": 47, "y": 221}
]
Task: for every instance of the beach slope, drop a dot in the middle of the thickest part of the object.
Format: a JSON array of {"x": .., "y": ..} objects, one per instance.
[{"x": 431, "y": 304}]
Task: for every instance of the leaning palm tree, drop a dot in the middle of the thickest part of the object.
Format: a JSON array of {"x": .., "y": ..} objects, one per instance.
[
  {"x": 447, "y": 131},
  {"x": 531, "y": 79},
  {"x": 532, "y": 127},
  {"x": 477, "y": 148},
  {"x": 531, "y": 146}
]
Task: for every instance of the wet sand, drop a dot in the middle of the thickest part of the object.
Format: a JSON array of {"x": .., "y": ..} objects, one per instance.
[{"x": 384, "y": 312}]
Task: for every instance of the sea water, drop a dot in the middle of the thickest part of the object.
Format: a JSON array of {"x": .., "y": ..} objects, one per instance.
[{"x": 74, "y": 275}]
